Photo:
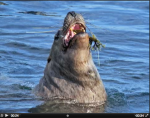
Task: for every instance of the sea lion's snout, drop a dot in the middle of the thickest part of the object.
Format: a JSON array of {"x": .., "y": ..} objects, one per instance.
[
  {"x": 71, "y": 19},
  {"x": 73, "y": 25}
]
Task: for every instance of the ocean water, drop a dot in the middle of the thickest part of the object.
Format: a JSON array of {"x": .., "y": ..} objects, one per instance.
[{"x": 27, "y": 29}]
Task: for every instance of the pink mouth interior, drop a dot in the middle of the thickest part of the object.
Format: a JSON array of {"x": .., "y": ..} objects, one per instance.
[{"x": 70, "y": 33}]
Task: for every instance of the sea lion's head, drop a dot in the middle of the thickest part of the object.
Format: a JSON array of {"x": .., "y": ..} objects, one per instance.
[
  {"x": 71, "y": 43},
  {"x": 70, "y": 72}
]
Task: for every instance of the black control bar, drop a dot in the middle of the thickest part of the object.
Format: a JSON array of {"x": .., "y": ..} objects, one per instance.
[{"x": 74, "y": 115}]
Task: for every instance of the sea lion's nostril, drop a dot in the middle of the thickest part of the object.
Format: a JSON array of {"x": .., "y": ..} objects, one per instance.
[{"x": 72, "y": 13}]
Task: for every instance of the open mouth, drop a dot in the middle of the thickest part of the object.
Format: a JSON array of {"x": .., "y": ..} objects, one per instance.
[{"x": 72, "y": 31}]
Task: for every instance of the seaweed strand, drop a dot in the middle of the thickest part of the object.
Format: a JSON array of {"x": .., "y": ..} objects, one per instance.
[{"x": 97, "y": 43}]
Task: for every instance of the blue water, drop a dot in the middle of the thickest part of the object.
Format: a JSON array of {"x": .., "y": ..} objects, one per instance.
[{"x": 123, "y": 26}]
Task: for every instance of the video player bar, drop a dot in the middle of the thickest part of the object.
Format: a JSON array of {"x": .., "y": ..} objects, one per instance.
[{"x": 74, "y": 115}]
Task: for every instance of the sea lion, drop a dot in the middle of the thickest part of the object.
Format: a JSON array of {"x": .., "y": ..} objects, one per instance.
[{"x": 70, "y": 73}]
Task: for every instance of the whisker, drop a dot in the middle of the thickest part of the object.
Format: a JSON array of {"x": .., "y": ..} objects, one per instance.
[{"x": 41, "y": 32}]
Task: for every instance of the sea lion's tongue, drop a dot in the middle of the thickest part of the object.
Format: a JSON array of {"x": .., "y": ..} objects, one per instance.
[{"x": 68, "y": 36}]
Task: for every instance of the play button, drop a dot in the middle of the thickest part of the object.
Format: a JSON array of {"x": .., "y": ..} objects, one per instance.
[{"x": 6, "y": 115}]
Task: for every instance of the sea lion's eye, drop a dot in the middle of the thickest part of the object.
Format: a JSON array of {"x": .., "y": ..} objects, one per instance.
[{"x": 56, "y": 36}]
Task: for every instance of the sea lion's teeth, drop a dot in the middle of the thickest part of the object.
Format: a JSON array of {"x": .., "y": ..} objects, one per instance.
[
  {"x": 83, "y": 30},
  {"x": 71, "y": 29}
]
